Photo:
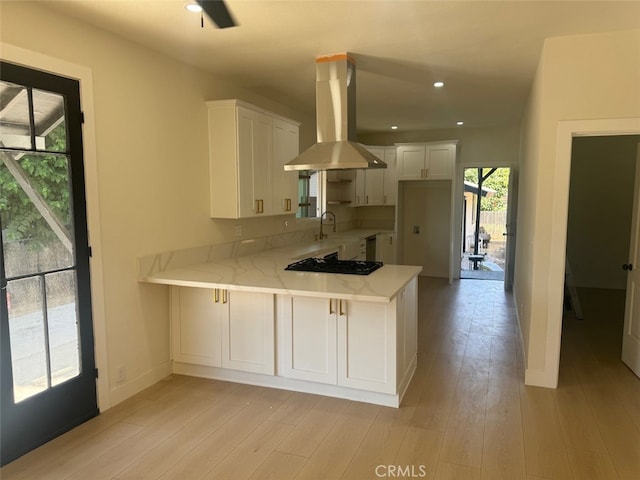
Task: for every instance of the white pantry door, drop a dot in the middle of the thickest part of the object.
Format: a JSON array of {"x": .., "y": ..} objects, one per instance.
[{"x": 631, "y": 334}]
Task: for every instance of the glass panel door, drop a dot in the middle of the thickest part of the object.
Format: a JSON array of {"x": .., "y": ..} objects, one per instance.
[{"x": 48, "y": 368}]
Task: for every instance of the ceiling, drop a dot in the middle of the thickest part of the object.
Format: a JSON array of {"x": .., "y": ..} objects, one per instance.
[{"x": 485, "y": 52}]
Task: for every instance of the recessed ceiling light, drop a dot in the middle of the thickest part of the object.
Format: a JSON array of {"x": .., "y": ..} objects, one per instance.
[
  {"x": 459, "y": 123},
  {"x": 193, "y": 7},
  {"x": 394, "y": 127},
  {"x": 438, "y": 84}
]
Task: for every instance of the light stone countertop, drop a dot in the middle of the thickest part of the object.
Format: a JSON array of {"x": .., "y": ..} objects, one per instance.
[{"x": 264, "y": 272}]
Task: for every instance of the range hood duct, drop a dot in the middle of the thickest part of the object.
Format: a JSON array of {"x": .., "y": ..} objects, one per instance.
[{"x": 335, "y": 120}]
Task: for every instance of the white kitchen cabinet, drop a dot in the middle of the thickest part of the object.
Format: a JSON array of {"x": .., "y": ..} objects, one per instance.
[
  {"x": 378, "y": 186},
  {"x": 196, "y": 318},
  {"x": 219, "y": 328},
  {"x": 426, "y": 161},
  {"x": 386, "y": 249},
  {"x": 248, "y": 332},
  {"x": 367, "y": 345},
  {"x": 308, "y": 342},
  {"x": 390, "y": 176},
  {"x": 285, "y": 184},
  {"x": 349, "y": 343},
  {"x": 248, "y": 147}
]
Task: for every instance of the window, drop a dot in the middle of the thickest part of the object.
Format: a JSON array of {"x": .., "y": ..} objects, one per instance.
[{"x": 309, "y": 190}]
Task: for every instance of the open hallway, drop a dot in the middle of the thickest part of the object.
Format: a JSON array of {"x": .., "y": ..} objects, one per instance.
[{"x": 466, "y": 415}]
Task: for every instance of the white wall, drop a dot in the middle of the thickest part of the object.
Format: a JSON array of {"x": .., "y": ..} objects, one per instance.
[
  {"x": 600, "y": 204},
  {"x": 150, "y": 173},
  {"x": 578, "y": 78}
]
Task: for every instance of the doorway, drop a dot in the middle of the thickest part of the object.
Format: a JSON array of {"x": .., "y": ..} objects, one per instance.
[
  {"x": 46, "y": 331},
  {"x": 599, "y": 230},
  {"x": 485, "y": 216}
]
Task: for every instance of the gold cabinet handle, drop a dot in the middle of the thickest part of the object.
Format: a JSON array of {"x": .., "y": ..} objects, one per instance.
[
  {"x": 216, "y": 295},
  {"x": 341, "y": 311},
  {"x": 366, "y": 200},
  {"x": 224, "y": 296},
  {"x": 330, "y": 305},
  {"x": 426, "y": 173},
  {"x": 257, "y": 206}
]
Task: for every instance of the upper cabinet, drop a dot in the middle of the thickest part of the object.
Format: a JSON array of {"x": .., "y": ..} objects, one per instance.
[
  {"x": 426, "y": 161},
  {"x": 285, "y": 184},
  {"x": 378, "y": 186},
  {"x": 248, "y": 148}
]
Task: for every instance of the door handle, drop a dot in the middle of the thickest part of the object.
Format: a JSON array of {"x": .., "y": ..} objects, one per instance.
[{"x": 627, "y": 266}]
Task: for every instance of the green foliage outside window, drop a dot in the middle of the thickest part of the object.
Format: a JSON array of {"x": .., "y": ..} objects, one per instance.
[
  {"x": 49, "y": 176},
  {"x": 498, "y": 181}
]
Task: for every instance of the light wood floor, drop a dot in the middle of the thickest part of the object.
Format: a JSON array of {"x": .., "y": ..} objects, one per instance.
[{"x": 467, "y": 414}]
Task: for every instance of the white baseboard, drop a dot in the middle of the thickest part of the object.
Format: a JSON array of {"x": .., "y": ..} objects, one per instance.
[{"x": 136, "y": 385}]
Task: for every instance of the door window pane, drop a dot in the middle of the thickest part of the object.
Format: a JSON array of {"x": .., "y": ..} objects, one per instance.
[
  {"x": 14, "y": 117},
  {"x": 36, "y": 219},
  {"x": 27, "y": 337},
  {"x": 62, "y": 320},
  {"x": 48, "y": 112}
]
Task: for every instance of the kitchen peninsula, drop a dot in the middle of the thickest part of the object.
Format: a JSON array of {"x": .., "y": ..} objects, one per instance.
[{"x": 246, "y": 319}]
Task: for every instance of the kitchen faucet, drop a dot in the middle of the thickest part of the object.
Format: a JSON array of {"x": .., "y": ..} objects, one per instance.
[{"x": 323, "y": 235}]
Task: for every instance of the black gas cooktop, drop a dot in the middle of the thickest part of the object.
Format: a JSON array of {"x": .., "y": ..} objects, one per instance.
[{"x": 324, "y": 265}]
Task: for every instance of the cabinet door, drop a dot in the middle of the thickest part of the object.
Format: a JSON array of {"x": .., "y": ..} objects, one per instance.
[
  {"x": 374, "y": 186},
  {"x": 246, "y": 126},
  {"x": 285, "y": 184},
  {"x": 248, "y": 332},
  {"x": 195, "y": 326},
  {"x": 308, "y": 333},
  {"x": 360, "y": 187},
  {"x": 386, "y": 250},
  {"x": 411, "y": 162},
  {"x": 255, "y": 138},
  {"x": 390, "y": 177},
  {"x": 374, "y": 180},
  {"x": 367, "y": 346},
  {"x": 262, "y": 165},
  {"x": 440, "y": 162}
]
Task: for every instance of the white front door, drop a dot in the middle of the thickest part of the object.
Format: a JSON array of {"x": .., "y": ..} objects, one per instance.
[{"x": 631, "y": 334}]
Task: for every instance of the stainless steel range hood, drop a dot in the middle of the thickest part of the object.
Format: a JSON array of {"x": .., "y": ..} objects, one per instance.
[{"x": 336, "y": 120}]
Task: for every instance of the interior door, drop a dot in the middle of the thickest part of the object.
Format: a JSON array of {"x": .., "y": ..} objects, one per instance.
[
  {"x": 631, "y": 333},
  {"x": 46, "y": 331}
]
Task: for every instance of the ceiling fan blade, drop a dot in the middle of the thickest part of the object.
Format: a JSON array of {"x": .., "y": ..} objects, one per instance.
[{"x": 218, "y": 12}]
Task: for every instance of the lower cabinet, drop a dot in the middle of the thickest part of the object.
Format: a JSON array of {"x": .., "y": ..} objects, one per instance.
[
  {"x": 220, "y": 328},
  {"x": 342, "y": 342},
  {"x": 386, "y": 249},
  {"x": 196, "y": 320},
  {"x": 248, "y": 333},
  {"x": 308, "y": 341},
  {"x": 365, "y": 346}
]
